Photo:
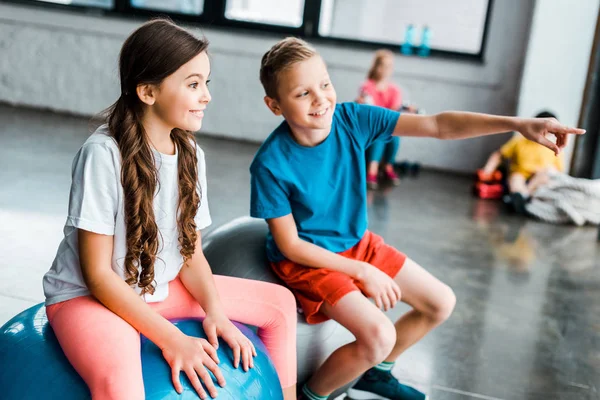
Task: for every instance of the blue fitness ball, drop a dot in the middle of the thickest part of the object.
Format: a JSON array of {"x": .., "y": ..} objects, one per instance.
[{"x": 33, "y": 365}]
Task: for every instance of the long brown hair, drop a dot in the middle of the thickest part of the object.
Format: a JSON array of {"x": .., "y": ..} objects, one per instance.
[
  {"x": 150, "y": 54},
  {"x": 380, "y": 55}
]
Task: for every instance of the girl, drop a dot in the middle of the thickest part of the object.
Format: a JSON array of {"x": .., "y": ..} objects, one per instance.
[
  {"x": 132, "y": 257},
  {"x": 378, "y": 90}
]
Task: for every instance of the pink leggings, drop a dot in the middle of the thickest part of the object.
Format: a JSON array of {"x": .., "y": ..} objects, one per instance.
[{"x": 105, "y": 349}]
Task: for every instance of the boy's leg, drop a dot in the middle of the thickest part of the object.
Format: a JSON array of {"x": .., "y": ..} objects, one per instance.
[
  {"x": 102, "y": 347},
  {"x": 375, "y": 338},
  {"x": 518, "y": 184},
  {"x": 519, "y": 192},
  {"x": 432, "y": 302},
  {"x": 538, "y": 180}
]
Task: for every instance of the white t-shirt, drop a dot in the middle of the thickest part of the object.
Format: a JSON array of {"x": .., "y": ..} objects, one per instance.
[{"x": 96, "y": 204}]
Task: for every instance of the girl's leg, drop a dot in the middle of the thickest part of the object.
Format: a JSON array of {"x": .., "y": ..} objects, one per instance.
[
  {"x": 432, "y": 302},
  {"x": 391, "y": 149},
  {"x": 270, "y": 307},
  {"x": 375, "y": 338},
  {"x": 102, "y": 347},
  {"x": 374, "y": 155},
  {"x": 373, "y": 169}
]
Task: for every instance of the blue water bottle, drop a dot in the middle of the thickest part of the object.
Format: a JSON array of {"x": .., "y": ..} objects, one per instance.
[
  {"x": 425, "y": 47},
  {"x": 407, "y": 46}
]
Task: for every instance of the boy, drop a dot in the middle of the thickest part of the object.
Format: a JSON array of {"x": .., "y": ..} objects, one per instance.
[
  {"x": 309, "y": 183},
  {"x": 529, "y": 164}
]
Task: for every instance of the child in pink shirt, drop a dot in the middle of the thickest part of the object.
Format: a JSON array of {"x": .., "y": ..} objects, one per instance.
[{"x": 379, "y": 91}]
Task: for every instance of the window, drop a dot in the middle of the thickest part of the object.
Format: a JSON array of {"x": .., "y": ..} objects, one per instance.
[
  {"x": 107, "y": 4},
  {"x": 191, "y": 7},
  {"x": 456, "y": 26},
  {"x": 272, "y": 12}
]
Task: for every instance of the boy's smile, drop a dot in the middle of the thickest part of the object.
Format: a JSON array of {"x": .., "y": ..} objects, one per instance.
[{"x": 306, "y": 100}]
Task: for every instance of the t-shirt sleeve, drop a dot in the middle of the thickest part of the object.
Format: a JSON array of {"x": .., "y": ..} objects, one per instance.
[
  {"x": 268, "y": 196},
  {"x": 202, "y": 218},
  {"x": 93, "y": 200},
  {"x": 508, "y": 149},
  {"x": 374, "y": 122}
]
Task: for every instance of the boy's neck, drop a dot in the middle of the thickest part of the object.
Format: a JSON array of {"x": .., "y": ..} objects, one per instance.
[{"x": 309, "y": 137}]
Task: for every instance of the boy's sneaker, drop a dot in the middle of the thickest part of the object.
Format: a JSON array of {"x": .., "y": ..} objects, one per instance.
[
  {"x": 392, "y": 177},
  {"x": 372, "y": 182},
  {"x": 518, "y": 203},
  {"x": 376, "y": 384}
]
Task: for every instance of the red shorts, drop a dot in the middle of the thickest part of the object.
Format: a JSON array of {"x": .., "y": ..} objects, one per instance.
[{"x": 313, "y": 286}]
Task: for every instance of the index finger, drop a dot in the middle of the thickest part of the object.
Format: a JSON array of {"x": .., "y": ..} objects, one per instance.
[
  {"x": 212, "y": 352},
  {"x": 393, "y": 295},
  {"x": 560, "y": 128},
  {"x": 398, "y": 291}
]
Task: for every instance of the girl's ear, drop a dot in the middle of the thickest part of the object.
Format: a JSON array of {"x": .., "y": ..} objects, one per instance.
[{"x": 146, "y": 93}]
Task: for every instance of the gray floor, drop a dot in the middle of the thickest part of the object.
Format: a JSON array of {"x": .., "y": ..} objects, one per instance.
[{"x": 527, "y": 322}]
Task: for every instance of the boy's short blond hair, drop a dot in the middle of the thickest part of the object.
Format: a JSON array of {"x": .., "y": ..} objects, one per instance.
[{"x": 281, "y": 56}]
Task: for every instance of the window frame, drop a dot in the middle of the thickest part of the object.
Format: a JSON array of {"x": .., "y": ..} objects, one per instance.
[{"x": 213, "y": 17}]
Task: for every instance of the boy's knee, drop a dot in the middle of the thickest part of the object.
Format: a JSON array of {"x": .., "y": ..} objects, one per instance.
[
  {"x": 444, "y": 306},
  {"x": 378, "y": 341}
]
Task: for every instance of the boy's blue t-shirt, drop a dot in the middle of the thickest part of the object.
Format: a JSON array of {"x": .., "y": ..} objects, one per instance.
[{"x": 323, "y": 187}]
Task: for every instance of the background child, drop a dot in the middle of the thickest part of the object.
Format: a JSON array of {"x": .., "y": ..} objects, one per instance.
[
  {"x": 132, "y": 257},
  {"x": 528, "y": 164},
  {"x": 308, "y": 182},
  {"x": 378, "y": 90}
]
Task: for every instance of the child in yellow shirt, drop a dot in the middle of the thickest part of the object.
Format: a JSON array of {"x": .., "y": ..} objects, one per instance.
[{"x": 528, "y": 164}]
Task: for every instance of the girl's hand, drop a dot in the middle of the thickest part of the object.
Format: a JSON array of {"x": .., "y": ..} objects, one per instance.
[
  {"x": 536, "y": 130},
  {"x": 217, "y": 324},
  {"x": 379, "y": 286},
  {"x": 193, "y": 356}
]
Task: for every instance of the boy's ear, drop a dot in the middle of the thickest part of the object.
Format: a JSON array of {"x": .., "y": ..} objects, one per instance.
[
  {"x": 146, "y": 93},
  {"x": 273, "y": 105}
]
